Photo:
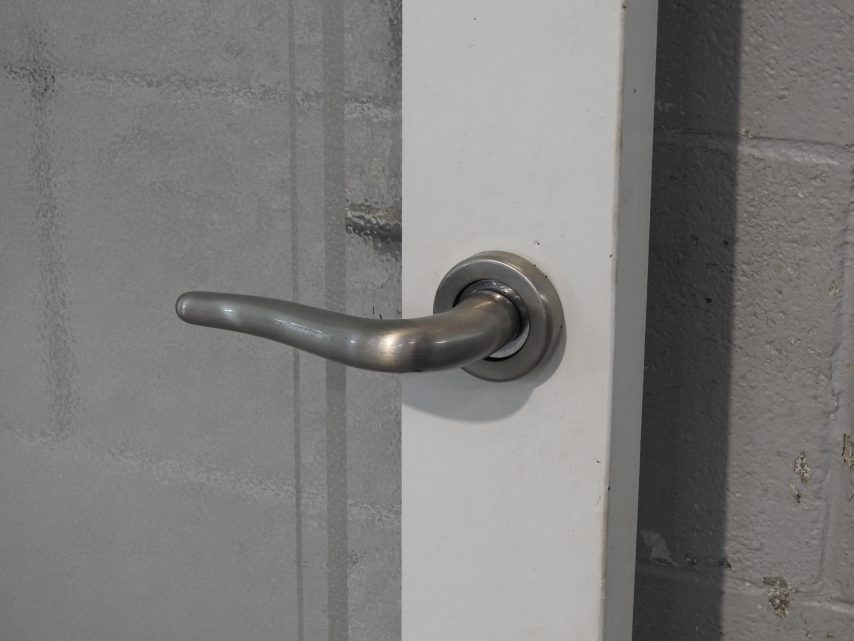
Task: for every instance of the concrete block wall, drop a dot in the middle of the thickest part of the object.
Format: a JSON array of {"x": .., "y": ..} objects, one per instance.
[
  {"x": 162, "y": 481},
  {"x": 746, "y": 510}
]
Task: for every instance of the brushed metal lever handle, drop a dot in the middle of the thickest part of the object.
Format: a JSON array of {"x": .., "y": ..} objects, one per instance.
[
  {"x": 491, "y": 309},
  {"x": 480, "y": 325}
]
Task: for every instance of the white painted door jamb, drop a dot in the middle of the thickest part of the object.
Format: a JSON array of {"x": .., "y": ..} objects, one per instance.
[{"x": 527, "y": 127}]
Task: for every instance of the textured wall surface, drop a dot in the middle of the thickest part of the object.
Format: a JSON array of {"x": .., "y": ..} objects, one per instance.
[
  {"x": 747, "y": 480},
  {"x": 163, "y": 481}
]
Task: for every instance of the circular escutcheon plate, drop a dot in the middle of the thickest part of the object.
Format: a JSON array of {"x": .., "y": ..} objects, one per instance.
[{"x": 540, "y": 310}]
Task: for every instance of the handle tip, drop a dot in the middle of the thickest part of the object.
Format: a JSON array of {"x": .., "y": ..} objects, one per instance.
[{"x": 182, "y": 305}]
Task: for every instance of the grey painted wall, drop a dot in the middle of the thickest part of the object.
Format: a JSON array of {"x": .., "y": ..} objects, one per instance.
[
  {"x": 747, "y": 490},
  {"x": 162, "y": 481}
]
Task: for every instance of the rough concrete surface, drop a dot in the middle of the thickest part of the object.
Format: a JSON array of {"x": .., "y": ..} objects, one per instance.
[{"x": 746, "y": 509}]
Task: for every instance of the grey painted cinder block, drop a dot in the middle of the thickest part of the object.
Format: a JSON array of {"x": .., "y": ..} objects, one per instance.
[
  {"x": 777, "y": 69},
  {"x": 747, "y": 390},
  {"x": 679, "y": 604},
  {"x": 745, "y": 264},
  {"x": 792, "y": 216},
  {"x": 796, "y": 70},
  {"x": 840, "y": 550},
  {"x": 696, "y": 76}
]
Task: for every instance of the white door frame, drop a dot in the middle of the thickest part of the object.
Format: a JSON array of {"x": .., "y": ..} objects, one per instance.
[{"x": 527, "y": 127}]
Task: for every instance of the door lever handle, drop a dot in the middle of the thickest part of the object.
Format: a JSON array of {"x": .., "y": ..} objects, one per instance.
[{"x": 495, "y": 315}]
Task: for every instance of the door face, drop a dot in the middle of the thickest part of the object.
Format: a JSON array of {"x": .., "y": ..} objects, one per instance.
[{"x": 527, "y": 128}]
